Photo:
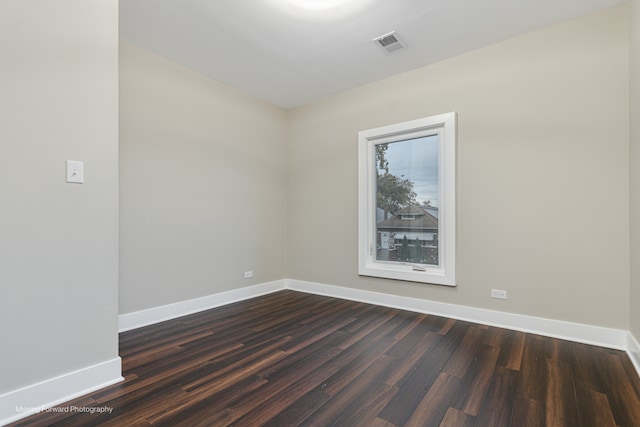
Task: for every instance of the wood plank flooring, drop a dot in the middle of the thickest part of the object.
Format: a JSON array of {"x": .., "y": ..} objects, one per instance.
[{"x": 293, "y": 359}]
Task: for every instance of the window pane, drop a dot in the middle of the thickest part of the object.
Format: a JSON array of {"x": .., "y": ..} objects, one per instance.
[{"x": 407, "y": 201}]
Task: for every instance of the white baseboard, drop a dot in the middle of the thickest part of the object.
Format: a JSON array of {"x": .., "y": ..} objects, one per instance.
[
  {"x": 633, "y": 349},
  {"x": 588, "y": 334},
  {"x": 138, "y": 319},
  {"x": 26, "y": 401}
]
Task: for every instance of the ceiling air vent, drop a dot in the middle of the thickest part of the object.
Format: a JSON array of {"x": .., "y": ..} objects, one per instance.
[{"x": 389, "y": 42}]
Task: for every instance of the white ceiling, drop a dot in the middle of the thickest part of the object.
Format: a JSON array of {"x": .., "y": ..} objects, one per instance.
[{"x": 290, "y": 54}]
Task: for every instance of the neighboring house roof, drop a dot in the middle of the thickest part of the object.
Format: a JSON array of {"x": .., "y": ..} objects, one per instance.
[
  {"x": 432, "y": 210},
  {"x": 423, "y": 219},
  {"x": 411, "y": 210}
]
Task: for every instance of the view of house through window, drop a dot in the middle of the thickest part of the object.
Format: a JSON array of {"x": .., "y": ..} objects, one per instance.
[{"x": 407, "y": 200}]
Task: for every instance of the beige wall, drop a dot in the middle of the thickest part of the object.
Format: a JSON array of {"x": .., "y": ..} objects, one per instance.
[
  {"x": 59, "y": 244},
  {"x": 635, "y": 167},
  {"x": 542, "y": 167},
  {"x": 202, "y": 184}
]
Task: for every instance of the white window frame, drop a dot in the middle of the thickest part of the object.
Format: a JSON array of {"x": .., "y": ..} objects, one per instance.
[{"x": 444, "y": 273}]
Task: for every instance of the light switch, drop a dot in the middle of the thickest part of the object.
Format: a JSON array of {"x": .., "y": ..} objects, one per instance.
[{"x": 75, "y": 172}]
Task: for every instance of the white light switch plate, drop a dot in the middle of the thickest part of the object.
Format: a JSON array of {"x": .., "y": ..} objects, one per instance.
[{"x": 75, "y": 172}]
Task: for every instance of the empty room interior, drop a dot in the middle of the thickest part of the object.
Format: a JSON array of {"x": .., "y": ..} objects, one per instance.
[{"x": 320, "y": 212}]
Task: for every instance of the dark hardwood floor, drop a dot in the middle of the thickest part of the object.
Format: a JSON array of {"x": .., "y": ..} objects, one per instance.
[{"x": 289, "y": 359}]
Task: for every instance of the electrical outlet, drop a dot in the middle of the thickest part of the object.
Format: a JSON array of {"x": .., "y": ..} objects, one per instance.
[
  {"x": 248, "y": 274},
  {"x": 498, "y": 293}
]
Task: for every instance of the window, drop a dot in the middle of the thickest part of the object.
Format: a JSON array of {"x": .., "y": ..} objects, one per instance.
[{"x": 407, "y": 200}]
